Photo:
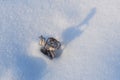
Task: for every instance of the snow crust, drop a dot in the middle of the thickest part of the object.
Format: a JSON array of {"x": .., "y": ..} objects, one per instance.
[{"x": 88, "y": 29}]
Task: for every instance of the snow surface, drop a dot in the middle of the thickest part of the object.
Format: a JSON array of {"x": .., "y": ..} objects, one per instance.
[{"x": 88, "y": 29}]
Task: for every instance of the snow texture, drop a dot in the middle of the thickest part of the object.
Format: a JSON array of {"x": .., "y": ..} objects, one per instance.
[{"x": 88, "y": 29}]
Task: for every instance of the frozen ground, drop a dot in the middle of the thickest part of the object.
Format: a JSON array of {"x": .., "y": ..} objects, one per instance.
[{"x": 88, "y": 29}]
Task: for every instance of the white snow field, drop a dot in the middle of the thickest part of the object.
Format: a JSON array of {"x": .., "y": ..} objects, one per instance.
[{"x": 88, "y": 29}]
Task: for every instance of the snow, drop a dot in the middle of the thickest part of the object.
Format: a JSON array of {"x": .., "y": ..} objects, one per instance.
[{"x": 88, "y": 29}]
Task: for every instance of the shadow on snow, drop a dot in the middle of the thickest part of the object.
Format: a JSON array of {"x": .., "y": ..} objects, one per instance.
[{"x": 73, "y": 32}]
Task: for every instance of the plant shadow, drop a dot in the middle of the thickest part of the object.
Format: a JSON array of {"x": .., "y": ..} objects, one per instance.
[{"x": 73, "y": 32}]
